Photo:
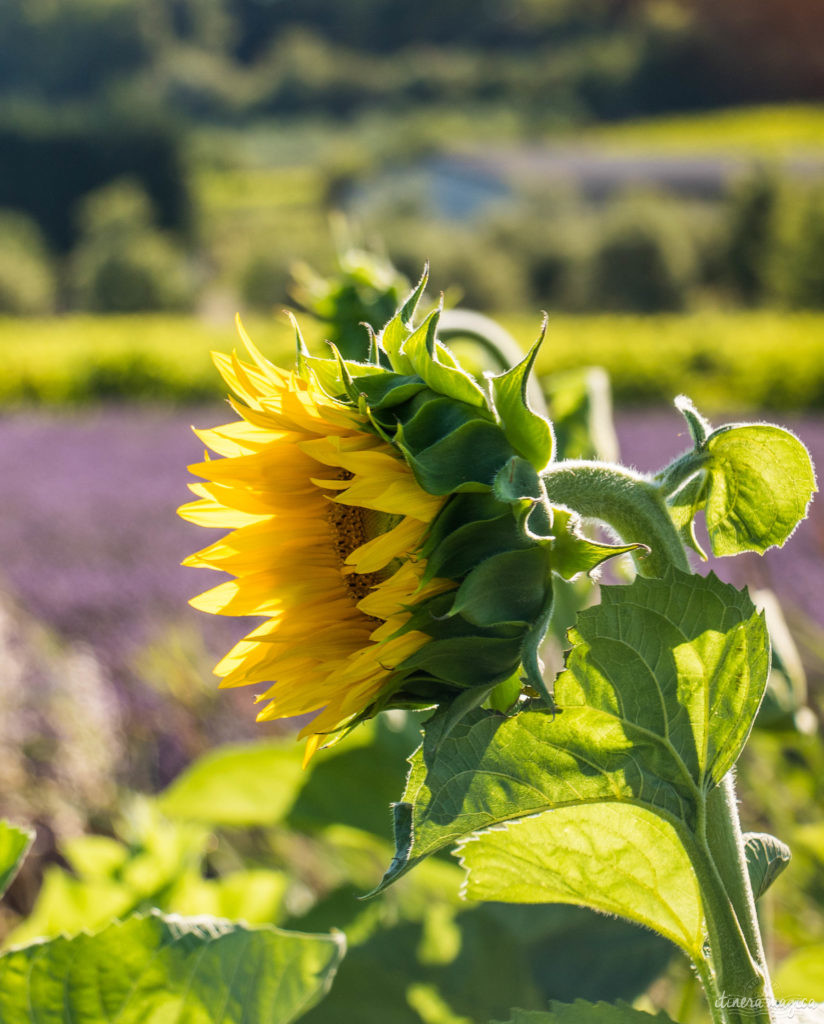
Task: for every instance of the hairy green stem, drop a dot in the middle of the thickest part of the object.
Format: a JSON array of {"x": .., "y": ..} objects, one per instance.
[
  {"x": 707, "y": 978},
  {"x": 736, "y": 978},
  {"x": 626, "y": 501},
  {"x": 736, "y": 973},
  {"x": 724, "y": 840}
]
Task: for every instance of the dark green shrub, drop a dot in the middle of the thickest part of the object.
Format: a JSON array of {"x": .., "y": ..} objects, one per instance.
[
  {"x": 264, "y": 281},
  {"x": 48, "y": 166},
  {"x": 548, "y": 236},
  {"x": 751, "y": 237},
  {"x": 27, "y": 278},
  {"x": 643, "y": 261},
  {"x": 123, "y": 264},
  {"x": 489, "y": 278},
  {"x": 799, "y": 262}
]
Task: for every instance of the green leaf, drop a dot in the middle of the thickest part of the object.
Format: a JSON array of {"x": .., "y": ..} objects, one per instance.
[
  {"x": 419, "y": 348},
  {"x": 354, "y": 781},
  {"x": 508, "y": 587},
  {"x": 528, "y": 433},
  {"x": 93, "y": 857},
  {"x": 469, "y": 458},
  {"x": 157, "y": 967},
  {"x": 801, "y": 974},
  {"x": 68, "y": 904},
  {"x": 433, "y": 417},
  {"x": 573, "y": 553},
  {"x": 517, "y": 480},
  {"x": 470, "y": 544},
  {"x": 328, "y": 372},
  {"x": 385, "y": 389},
  {"x": 581, "y": 1012},
  {"x": 460, "y": 960},
  {"x": 766, "y": 857},
  {"x": 249, "y": 784},
  {"x": 657, "y": 700},
  {"x": 578, "y": 954},
  {"x": 253, "y": 896},
  {"x": 15, "y": 843},
  {"x": 504, "y": 695},
  {"x": 111, "y": 878},
  {"x": 753, "y": 481},
  {"x": 395, "y": 333},
  {"x": 700, "y": 427},
  {"x": 684, "y": 504},
  {"x": 468, "y": 660},
  {"x": 597, "y": 856},
  {"x": 761, "y": 482}
]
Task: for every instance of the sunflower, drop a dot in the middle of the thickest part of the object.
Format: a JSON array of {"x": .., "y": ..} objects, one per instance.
[
  {"x": 327, "y": 521},
  {"x": 388, "y": 524}
]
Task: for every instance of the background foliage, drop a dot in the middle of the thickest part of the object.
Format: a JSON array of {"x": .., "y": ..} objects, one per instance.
[{"x": 650, "y": 172}]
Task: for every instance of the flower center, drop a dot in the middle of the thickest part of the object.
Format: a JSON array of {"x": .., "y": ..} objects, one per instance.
[{"x": 350, "y": 528}]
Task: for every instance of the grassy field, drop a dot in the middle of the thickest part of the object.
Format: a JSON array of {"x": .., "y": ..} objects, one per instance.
[
  {"x": 730, "y": 360},
  {"x": 774, "y": 131}
]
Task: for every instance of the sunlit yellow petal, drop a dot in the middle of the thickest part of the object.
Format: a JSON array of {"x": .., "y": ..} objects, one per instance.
[
  {"x": 326, "y": 522},
  {"x": 378, "y": 552}
]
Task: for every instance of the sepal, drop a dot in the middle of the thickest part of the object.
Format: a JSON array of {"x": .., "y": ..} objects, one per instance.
[
  {"x": 422, "y": 351},
  {"x": 508, "y": 587},
  {"x": 573, "y": 553},
  {"x": 529, "y": 434}
]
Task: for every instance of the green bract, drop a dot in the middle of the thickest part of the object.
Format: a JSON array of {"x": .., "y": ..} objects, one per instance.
[
  {"x": 14, "y": 844},
  {"x": 497, "y": 536},
  {"x": 153, "y": 967}
]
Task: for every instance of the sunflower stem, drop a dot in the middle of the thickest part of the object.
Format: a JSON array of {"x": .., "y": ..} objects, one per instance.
[{"x": 627, "y": 502}]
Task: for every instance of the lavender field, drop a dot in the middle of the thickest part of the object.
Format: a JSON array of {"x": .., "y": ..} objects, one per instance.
[{"x": 91, "y": 546}]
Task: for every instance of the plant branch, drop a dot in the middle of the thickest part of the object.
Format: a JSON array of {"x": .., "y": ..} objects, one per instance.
[{"x": 626, "y": 501}]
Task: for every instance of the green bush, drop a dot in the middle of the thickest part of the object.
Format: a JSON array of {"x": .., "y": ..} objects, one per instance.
[
  {"x": 548, "y": 235},
  {"x": 264, "y": 281},
  {"x": 798, "y": 263},
  {"x": 27, "y": 278},
  {"x": 643, "y": 261},
  {"x": 751, "y": 237},
  {"x": 490, "y": 278},
  {"x": 52, "y": 159},
  {"x": 122, "y": 263}
]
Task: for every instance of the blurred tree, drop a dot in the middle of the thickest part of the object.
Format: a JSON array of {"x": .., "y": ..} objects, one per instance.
[
  {"x": 643, "y": 260},
  {"x": 752, "y": 231},
  {"x": 798, "y": 260},
  {"x": 74, "y": 48},
  {"x": 48, "y": 165},
  {"x": 122, "y": 263},
  {"x": 27, "y": 275}
]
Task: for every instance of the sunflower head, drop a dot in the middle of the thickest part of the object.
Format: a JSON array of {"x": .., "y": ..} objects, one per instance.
[{"x": 389, "y": 525}]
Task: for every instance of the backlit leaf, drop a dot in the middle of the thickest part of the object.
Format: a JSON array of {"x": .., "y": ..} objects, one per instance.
[
  {"x": 761, "y": 481},
  {"x": 754, "y": 482},
  {"x": 249, "y": 784},
  {"x": 14, "y": 845},
  {"x": 581, "y": 1012},
  {"x": 614, "y": 858},
  {"x": 655, "y": 704},
  {"x": 766, "y": 857},
  {"x": 801, "y": 975},
  {"x": 202, "y": 970},
  {"x": 528, "y": 433}
]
